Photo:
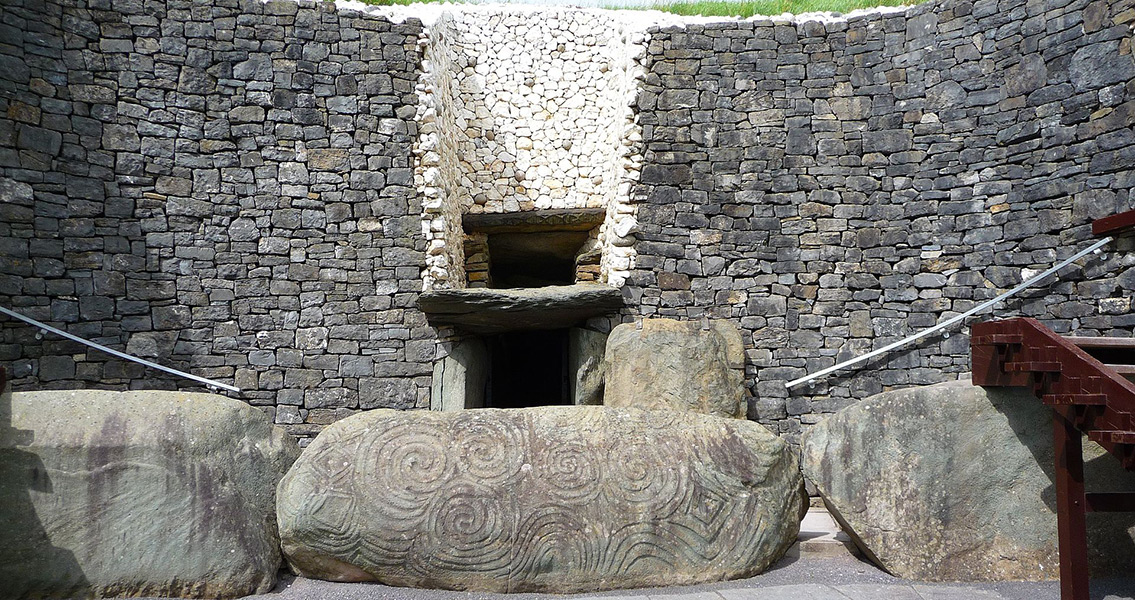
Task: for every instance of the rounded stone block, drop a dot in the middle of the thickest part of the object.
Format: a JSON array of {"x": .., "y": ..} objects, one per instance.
[
  {"x": 112, "y": 494},
  {"x": 953, "y": 482},
  {"x": 553, "y": 499},
  {"x": 676, "y": 365}
]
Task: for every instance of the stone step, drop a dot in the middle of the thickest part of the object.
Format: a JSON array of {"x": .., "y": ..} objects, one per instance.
[{"x": 821, "y": 536}]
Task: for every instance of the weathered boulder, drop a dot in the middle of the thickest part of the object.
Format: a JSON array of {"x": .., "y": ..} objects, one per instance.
[
  {"x": 953, "y": 482},
  {"x": 137, "y": 494},
  {"x": 557, "y": 499},
  {"x": 677, "y": 365}
]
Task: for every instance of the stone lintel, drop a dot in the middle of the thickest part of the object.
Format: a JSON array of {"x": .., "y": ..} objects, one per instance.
[
  {"x": 568, "y": 219},
  {"x": 485, "y": 311}
]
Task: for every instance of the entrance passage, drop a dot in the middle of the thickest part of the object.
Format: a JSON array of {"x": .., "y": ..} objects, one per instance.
[
  {"x": 529, "y": 368},
  {"x": 526, "y": 260}
]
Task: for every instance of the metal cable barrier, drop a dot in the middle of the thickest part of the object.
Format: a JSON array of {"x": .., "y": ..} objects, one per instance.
[
  {"x": 45, "y": 327},
  {"x": 944, "y": 324}
]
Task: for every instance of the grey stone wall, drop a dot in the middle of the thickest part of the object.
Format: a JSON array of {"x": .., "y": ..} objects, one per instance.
[
  {"x": 834, "y": 186},
  {"x": 224, "y": 187}
]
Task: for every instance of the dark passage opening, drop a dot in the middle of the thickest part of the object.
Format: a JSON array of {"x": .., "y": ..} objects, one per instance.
[
  {"x": 529, "y": 368},
  {"x": 519, "y": 260}
]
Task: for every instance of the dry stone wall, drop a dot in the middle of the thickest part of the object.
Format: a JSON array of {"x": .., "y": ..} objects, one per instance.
[
  {"x": 258, "y": 192},
  {"x": 837, "y": 184},
  {"x": 224, "y": 187}
]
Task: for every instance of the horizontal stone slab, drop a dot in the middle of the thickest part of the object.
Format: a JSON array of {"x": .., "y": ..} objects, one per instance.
[
  {"x": 556, "y": 499},
  {"x": 577, "y": 219},
  {"x": 483, "y": 310}
]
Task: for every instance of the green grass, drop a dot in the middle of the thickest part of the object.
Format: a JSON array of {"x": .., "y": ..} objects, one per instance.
[
  {"x": 401, "y": 2},
  {"x": 744, "y": 8},
  {"x": 729, "y": 8}
]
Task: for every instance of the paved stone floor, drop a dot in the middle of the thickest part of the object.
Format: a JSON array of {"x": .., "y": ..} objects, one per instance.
[{"x": 794, "y": 578}]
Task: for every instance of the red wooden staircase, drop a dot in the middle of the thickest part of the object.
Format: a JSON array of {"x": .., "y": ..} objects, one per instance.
[{"x": 1086, "y": 382}]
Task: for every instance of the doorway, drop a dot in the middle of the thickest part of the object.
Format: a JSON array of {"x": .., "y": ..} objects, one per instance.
[{"x": 528, "y": 368}]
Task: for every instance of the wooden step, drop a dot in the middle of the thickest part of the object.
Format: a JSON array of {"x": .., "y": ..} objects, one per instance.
[
  {"x": 1114, "y": 437},
  {"x": 1124, "y": 370},
  {"x": 1035, "y": 366},
  {"x": 1074, "y": 399},
  {"x": 1102, "y": 342}
]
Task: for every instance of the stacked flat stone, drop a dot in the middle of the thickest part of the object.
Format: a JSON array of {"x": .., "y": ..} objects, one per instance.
[
  {"x": 835, "y": 184},
  {"x": 225, "y": 187},
  {"x": 258, "y": 192}
]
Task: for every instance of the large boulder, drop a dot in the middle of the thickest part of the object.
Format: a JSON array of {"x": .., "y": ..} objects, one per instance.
[
  {"x": 555, "y": 499},
  {"x": 676, "y": 365},
  {"x": 137, "y": 494},
  {"x": 953, "y": 482}
]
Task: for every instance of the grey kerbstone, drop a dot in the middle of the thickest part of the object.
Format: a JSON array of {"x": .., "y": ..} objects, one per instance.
[
  {"x": 676, "y": 365},
  {"x": 952, "y": 482},
  {"x": 558, "y": 499},
  {"x": 138, "y": 494}
]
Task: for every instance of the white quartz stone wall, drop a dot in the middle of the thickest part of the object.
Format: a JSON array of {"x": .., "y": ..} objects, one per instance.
[
  {"x": 438, "y": 165},
  {"x": 528, "y": 109}
]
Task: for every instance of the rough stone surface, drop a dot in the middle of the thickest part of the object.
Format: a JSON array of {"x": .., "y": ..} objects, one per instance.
[
  {"x": 138, "y": 494},
  {"x": 828, "y": 183},
  {"x": 246, "y": 166},
  {"x": 951, "y": 482},
  {"x": 676, "y": 365},
  {"x": 560, "y": 499},
  {"x": 485, "y": 310},
  {"x": 586, "y": 368},
  {"x": 831, "y": 164},
  {"x": 523, "y": 109}
]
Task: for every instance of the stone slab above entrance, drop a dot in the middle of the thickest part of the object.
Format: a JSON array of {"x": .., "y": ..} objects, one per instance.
[{"x": 483, "y": 310}]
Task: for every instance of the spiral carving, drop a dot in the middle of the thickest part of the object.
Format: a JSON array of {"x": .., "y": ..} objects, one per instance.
[
  {"x": 403, "y": 466},
  {"x": 487, "y": 448},
  {"x": 571, "y": 470},
  {"x": 469, "y": 528},
  {"x": 648, "y": 476},
  {"x": 550, "y": 499}
]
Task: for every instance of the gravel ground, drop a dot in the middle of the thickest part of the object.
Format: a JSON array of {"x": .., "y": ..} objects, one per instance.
[{"x": 793, "y": 578}]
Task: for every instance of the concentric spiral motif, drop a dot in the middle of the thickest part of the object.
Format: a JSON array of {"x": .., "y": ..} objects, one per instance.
[
  {"x": 558, "y": 539},
  {"x": 469, "y": 529},
  {"x": 405, "y": 463},
  {"x": 489, "y": 449},
  {"x": 648, "y": 476},
  {"x": 570, "y": 470}
]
